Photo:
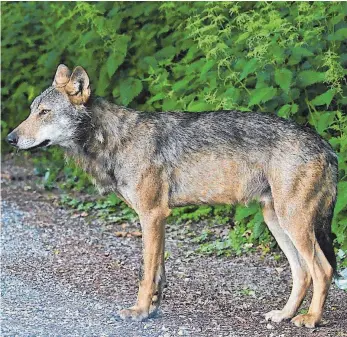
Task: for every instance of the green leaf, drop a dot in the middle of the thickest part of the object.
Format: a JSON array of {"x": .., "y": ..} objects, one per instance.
[
  {"x": 156, "y": 98},
  {"x": 151, "y": 61},
  {"x": 115, "y": 92},
  {"x": 263, "y": 79},
  {"x": 232, "y": 94},
  {"x": 325, "y": 121},
  {"x": 207, "y": 66},
  {"x": 102, "y": 83},
  {"x": 3, "y": 124},
  {"x": 300, "y": 51},
  {"x": 129, "y": 89},
  {"x": 309, "y": 77},
  {"x": 262, "y": 95},
  {"x": 199, "y": 106},
  {"x": 278, "y": 53},
  {"x": 258, "y": 229},
  {"x": 169, "y": 104},
  {"x": 295, "y": 108},
  {"x": 181, "y": 85},
  {"x": 249, "y": 68},
  {"x": 339, "y": 35},
  {"x": 113, "y": 199},
  {"x": 88, "y": 37},
  {"x": 322, "y": 120},
  {"x": 297, "y": 53},
  {"x": 113, "y": 62},
  {"x": 325, "y": 98},
  {"x": 165, "y": 53},
  {"x": 243, "y": 37},
  {"x": 341, "y": 203},
  {"x": 283, "y": 78},
  {"x": 284, "y": 111},
  {"x": 244, "y": 212}
]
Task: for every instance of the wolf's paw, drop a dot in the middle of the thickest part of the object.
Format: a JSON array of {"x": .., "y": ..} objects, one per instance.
[
  {"x": 133, "y": 313},
  {"x": 307, "y": 320},
  {"x": 277, "y": 316}
]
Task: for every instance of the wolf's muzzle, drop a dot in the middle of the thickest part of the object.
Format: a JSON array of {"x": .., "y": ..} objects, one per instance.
[
  {"x": 12, "y": 138},
  {"x": 42, "y": 144}
]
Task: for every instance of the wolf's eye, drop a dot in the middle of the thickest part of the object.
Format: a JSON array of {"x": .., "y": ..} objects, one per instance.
[{"x": 44, "y": 112}]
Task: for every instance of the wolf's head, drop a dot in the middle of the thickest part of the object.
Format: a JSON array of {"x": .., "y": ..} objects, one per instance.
[{"x": 54, "y": 113}]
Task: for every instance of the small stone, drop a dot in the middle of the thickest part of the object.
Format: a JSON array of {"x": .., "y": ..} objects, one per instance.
[
  {"x": 121, "y": 234},
  {"x": 269, "y": 326},
  {"x": 136, "y": 233}
]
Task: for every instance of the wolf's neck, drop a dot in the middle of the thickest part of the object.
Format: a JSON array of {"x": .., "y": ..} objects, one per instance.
[
  {"x": 101, "y": 132},
  {"x": 106, "y": 125}
]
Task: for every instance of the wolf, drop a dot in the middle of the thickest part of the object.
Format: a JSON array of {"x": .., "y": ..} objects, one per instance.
[{"x": 155, "y": 161}]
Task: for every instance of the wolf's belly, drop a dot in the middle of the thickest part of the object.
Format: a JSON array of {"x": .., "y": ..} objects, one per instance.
[{"x": 212, "y": 180}]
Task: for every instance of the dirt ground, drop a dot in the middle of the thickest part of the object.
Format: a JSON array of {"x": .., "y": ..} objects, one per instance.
[{"x": 68, "y": 275}]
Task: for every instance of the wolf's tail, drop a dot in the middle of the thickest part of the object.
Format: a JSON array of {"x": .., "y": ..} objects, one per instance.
[
  {"x": 323, "y": 222},
  {"x": 325, "y": 237}
]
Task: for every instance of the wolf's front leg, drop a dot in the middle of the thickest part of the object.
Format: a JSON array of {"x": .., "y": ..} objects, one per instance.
[{"x": 153, "y": 281}]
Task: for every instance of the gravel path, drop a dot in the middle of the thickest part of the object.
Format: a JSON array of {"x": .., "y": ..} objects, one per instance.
[{"x": 66, "y": 276}]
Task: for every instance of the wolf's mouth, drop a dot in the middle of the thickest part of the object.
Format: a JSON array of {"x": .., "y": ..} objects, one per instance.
[{"x": 42, "y": 144}]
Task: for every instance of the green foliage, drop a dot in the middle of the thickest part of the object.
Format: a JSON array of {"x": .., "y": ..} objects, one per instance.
[
  {"x": 55, "y": 172},
  {"x": 109, "y": 208},
  {"x": 129, "y": 89},
  {"x": 283, "y": 78},
  {"x": 287, "y": 58}
]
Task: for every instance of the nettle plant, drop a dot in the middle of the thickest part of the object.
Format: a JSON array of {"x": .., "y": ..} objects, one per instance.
[{"x": 287, "y": 58}]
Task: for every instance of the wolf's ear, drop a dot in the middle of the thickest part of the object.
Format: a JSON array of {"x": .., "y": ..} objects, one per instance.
[
  {"x": 62, "y": 76},
  {"x": 78, "y": 87}
]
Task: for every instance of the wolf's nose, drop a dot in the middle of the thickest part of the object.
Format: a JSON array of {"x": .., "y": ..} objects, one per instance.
[{"x": 12, "y": 138}]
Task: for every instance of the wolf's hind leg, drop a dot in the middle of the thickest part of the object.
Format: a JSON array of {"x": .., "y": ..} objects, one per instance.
[
  {"x": 320, "y": 269},
  {"x": 300, "y": 273}
]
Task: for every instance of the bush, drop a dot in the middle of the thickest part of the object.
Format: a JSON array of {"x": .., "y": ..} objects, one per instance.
[{"x": 287, "y": 58}]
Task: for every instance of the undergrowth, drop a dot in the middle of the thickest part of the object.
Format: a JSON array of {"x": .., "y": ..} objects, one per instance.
[{"x": 286, "y": 58}]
